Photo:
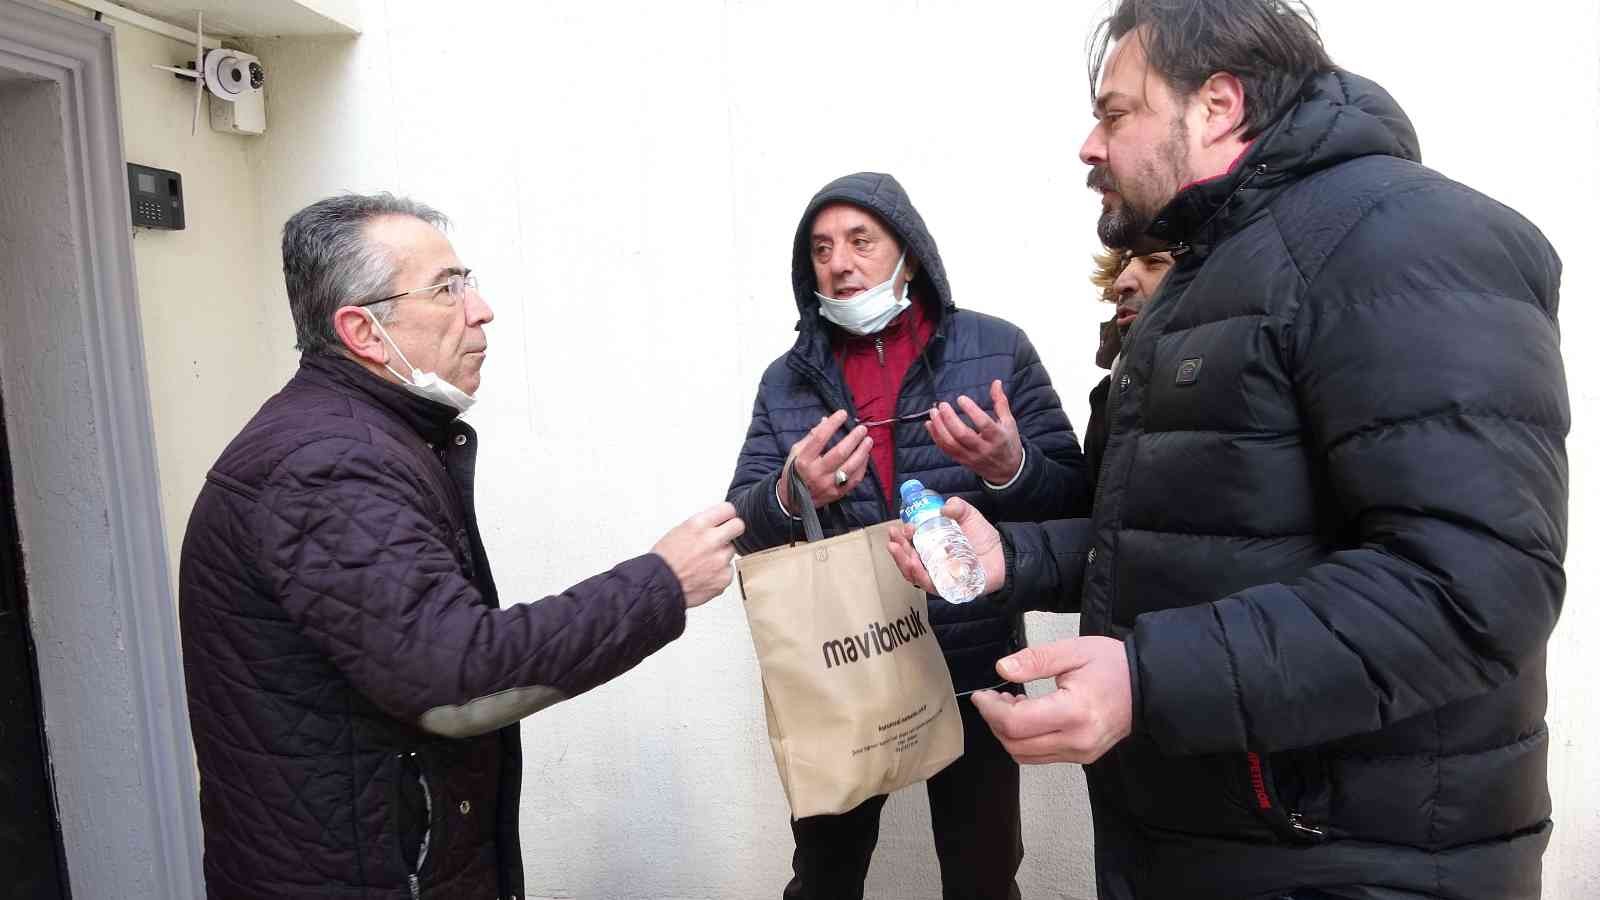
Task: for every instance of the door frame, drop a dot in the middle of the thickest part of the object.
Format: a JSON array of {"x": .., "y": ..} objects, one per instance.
[{"x": 83, "y": 456}]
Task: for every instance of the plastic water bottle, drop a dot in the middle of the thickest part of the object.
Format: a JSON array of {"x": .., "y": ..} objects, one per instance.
[{"x": 946, "y": 553}]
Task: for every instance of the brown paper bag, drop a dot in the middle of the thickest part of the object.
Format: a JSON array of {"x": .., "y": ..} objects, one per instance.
[{"x": 859, "y": 700}]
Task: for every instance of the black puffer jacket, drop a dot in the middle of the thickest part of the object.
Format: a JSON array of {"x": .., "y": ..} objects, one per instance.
[
  {"x": 353, "y": 689},
  {"x": 1330, "y": 526},
  {"x": 967, "y": 352}
]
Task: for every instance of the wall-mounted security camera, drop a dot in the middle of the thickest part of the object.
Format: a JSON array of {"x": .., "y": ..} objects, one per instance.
[{"x": 234, "y": 79}]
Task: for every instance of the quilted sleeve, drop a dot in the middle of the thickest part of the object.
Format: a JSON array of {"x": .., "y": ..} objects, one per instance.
[{"x": 371, "y": 578}]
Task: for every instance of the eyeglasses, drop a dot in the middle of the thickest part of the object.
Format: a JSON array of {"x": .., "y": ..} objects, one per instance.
[
  {"x": 455, "y": 287},
  {"x": 894, "y": 420}
]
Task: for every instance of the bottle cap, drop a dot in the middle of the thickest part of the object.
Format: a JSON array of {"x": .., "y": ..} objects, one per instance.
[{"x": 910, "y": 488}]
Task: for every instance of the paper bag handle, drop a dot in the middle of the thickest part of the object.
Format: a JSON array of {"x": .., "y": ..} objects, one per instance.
[{"x": 800, "y": 498}]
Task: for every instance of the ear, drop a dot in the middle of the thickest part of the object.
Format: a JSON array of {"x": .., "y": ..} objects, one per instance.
[
  {"x": 1221, "y": 100},
  {"x": 909, "y": 270},
  {"x": 358, "y": 335}
]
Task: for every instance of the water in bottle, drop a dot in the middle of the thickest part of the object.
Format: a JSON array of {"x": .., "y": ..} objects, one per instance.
[{"x": 945, "y": 551}]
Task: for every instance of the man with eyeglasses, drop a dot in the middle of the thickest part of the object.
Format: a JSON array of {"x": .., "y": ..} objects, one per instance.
[
  {"x": 354, "y": 683},
  {"x": 889, "y": 380}
]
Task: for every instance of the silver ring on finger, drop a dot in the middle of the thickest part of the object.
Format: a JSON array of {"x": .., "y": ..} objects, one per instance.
[{"x": 841, "y": 477}]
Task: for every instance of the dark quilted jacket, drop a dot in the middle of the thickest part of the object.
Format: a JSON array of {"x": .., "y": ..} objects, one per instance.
[
  {"x": 1330, "y": 525},
  {"x": 966, "y": 353},
  {"x": 353, "y": 686}
]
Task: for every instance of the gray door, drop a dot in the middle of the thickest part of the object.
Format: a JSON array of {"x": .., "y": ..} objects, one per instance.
[{"x": 30, "y": 840}]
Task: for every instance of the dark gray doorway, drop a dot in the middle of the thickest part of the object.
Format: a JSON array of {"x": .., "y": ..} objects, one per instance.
[{"x": 30, "y": 835}]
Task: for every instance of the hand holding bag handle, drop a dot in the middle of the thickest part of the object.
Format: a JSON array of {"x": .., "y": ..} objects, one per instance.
[{"x": 800, "y": 498}]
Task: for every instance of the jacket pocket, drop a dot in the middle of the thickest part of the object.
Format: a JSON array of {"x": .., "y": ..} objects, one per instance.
[
  {"x": 233, "y": 486},
  {"x": 414, "y": 817},
  {"x": 1289, "y": 793},
  {"x": 1248, "y": 796}
]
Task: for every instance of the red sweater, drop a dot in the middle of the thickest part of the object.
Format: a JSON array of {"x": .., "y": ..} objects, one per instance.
[{"x": 874, "y": 368}]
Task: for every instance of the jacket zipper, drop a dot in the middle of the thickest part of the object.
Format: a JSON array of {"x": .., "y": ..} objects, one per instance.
[
  {"x": 1113, "y": 405},
  {"x": 824, "y": 389},
  {"x": 921, "y": 365},
  {"x": 888, "y": 511},
  {"x": 1299, "y": 829},
  {"x": 1183, "y": 247},
  {"x": 1298, "y": 823},
  {"x": 877, "y": 343},
  {"x": 422, "y": 853},
  {"x": 1114, "y": 402},
  {"x": 833, "y": 402}
]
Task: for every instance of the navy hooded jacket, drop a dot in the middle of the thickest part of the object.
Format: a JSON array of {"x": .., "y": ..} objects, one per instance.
[{"x": 967, "y": 352}]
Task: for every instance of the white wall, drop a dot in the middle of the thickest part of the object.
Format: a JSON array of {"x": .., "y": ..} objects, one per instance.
[
  {"x": 213, "y": 350},
  {"x": 626, "y": 177}
]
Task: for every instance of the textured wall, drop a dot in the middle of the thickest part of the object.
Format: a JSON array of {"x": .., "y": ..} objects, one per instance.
[
  {"x": 626, "y": 177},
  {"x": 214, "y": 351}
]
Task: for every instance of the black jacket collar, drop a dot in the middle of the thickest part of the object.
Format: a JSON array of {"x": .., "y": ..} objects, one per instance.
[{"x": 1339, "y": 116}]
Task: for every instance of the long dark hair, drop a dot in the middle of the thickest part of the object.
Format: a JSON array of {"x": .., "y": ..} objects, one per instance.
[{"x": 1271, "y": 46}]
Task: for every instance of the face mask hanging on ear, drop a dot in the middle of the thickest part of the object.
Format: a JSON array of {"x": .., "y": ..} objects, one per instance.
[
  {"x": 424, "y": 384},
  {"x": 872, "y": 309}
]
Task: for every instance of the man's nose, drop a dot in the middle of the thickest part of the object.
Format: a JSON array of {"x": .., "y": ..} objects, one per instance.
[
  {"x": 840, "y": 264},
  {"x": 1126, "y": 285},
  {"x": 478, "y": 311},
  {"x": 1093, "y": 151}
]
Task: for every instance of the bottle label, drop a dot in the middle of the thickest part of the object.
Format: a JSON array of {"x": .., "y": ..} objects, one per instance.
[{"x": 922, "y": 509}]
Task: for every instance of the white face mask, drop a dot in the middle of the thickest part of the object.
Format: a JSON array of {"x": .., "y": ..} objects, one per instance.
[
  {"x": 869, "y": 311},
  {"x": 424, "y": 384}
]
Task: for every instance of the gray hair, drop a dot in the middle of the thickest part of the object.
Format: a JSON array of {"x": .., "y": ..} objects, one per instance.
[{"x": 328, "y": 262}]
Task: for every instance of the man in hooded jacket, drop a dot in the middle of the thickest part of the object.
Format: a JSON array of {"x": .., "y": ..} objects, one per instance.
[
  {"x": 1326, "y": 550},
  {"x": 867, "y": 398}
]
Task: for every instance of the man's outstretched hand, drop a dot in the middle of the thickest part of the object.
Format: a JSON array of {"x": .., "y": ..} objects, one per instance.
[{"x": 1090, "y": 710}]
